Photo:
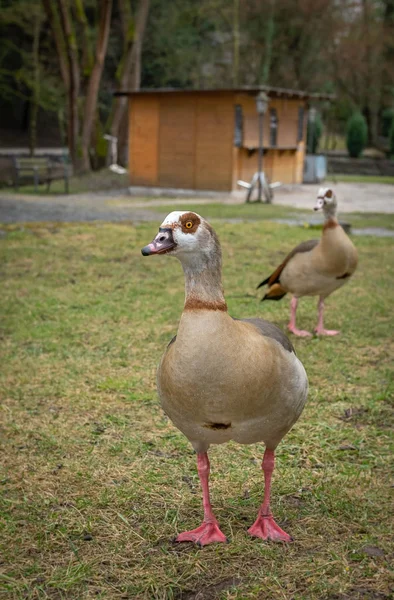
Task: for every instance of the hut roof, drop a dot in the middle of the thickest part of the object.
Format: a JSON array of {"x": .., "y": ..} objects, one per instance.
[{"x": 274, "y": 92}]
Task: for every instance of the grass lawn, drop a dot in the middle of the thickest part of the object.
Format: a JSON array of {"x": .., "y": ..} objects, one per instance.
[
  {"x": 361, "y": 178},
  {"x": 261, "y": 212},
  {"x": 105, "y": 179},
  {"x": 96, "y": 481},
  {"x": 96, "y": 181}
]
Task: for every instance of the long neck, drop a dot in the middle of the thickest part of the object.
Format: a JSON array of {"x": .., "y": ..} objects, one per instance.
[
  {"x": 330, "y": 214},
  {"x": 203, "y": 282}
]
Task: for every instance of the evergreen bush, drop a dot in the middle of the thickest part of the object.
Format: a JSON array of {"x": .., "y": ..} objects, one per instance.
[
  {"x": 391, "y": 141},
  {"x": 314, "y": 133},
  {"x": 356, "y": 135},
  {"x": 387, "y": 120}
]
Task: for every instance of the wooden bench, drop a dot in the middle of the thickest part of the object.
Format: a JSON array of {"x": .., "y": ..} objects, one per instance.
[{"x": 40, "y": 170}]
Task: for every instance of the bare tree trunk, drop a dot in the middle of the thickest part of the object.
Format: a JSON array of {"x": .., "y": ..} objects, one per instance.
[
  {"x": 87, "y": 55},
  {"x": 130, "y": 79},
  {"x": 74, "y": 79},
  {"x": 236, "y": 43},
  {"x": 388, "y": 73},
  {"x": 125, "y": 20},
  {"x": 54, "y": 21},
  {"x": 94, "y": 81},
  {"x": 265, "y": 72},
  {"x": 373, "y": 84},
  {"x": 36, "y": 89}
]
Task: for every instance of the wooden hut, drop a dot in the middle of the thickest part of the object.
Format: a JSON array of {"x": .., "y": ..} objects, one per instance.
[{"x": 208, "y": 139}]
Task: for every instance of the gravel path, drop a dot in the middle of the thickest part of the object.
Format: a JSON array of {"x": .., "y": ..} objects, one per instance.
[
  {"x": 18, "y": 208},
  {"x": 121, "y": 206},
  {"x": 352, "y": 197}
]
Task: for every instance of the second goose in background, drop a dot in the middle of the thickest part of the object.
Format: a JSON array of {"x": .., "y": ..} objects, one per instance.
[{"x": 315, "y": 267}]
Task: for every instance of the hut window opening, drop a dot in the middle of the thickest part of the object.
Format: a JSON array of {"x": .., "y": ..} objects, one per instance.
[
  {"x": 238, "y": 126},
  {"x": 273, "y": 127},
  {"x": 301, "y": 117}
]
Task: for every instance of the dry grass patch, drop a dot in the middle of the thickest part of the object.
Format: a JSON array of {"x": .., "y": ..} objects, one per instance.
[{"x": 96, "y": 481}]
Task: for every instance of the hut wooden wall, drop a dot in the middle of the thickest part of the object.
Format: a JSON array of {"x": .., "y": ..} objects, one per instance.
[
  {"x": 143, "y": 139},
  {"x": 281, "y": 163},
  {"x": 214, "y": 142},
  {"x": 181, "y": 141},
  {"x": 186, "y": 140},
  {"x": 177, "y": 144}
]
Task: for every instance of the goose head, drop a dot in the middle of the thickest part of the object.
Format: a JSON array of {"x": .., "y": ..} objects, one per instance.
[
  {"x": 327, "y": 201},
  {"x": 187, "y": 236}
]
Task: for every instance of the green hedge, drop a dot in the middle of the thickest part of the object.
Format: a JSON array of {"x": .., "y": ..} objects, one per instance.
[{"x": 356, "y": 135}]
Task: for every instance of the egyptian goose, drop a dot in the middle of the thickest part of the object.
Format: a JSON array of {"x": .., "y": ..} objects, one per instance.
[
  {"x": 315, "y": 267},
  {"x": 221, "y": 378}
]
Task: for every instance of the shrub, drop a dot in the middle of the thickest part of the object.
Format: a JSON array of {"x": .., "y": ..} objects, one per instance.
[
  {"x": 391, "y": 141},
  {"x": 315, "y": 130},
  {"x": 387, "y": 120},
  {"x": 356, "y": 135}
]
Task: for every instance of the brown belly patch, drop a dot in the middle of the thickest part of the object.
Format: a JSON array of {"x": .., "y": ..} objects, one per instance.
[{"x": 217, "y": 425}]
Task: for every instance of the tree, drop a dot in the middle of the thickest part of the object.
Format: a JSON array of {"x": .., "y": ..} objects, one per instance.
[
  {"x": 79, "y": 69},
  {"x": 90, "y": 108},
  {"x": 314, "y": 133},
  {"x": 356, "y": 135},
  {"x": 358, "y": 59},
  {"x": 344, "y": 47},
  {"x": 129, "y": 71},
  {"x": 36, "y": 82},
  {"x": 391, "y": 140},
  {"x": 26, "y": 71}
]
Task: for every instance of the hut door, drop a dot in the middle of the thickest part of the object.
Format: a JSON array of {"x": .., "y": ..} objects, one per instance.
[{"x": 177, "y": 141}]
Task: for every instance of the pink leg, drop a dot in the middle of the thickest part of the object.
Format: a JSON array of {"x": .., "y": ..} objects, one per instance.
[
  {"x": 209, "y": 531},
  {"x": 320, "y": 327},
  {"x": 292, "y": 324},
  {"x": 265, "y": 527}
]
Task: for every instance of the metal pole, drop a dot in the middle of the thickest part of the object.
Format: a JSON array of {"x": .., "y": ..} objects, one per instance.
[{"x": 260, "y": 163}]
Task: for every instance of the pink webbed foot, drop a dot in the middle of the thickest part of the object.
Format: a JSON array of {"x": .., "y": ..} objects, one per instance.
[
  {"x": 321, "y": 331},
  {"x": 267, "y": 529},
  {"x": 299, "y": 332},
  {"x": 208, "y": 533}
]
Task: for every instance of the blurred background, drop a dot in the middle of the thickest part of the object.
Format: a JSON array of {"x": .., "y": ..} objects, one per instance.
[{"x": 62, "y": 60}]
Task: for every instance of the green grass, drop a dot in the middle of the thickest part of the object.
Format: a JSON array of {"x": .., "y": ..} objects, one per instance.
[
  {"x": 96, "y": 481},
  {"x": 104, "y": 180},
  {"x": 262, "y": 212},
  {"x": 97, "y": 181},
  {"x": 386, "y": 179}
]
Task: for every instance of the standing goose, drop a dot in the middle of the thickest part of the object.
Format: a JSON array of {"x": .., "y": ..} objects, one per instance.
[
  {"x": 315, "y": 267},
  {"x": 220, "y": 378}
]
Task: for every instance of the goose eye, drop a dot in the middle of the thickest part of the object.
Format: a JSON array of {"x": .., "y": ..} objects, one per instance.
[{"x": 189, "y": 224}]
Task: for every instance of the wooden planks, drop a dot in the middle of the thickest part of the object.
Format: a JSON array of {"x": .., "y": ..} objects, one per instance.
[
  {"x": 187, "y": 140},
  {"x": 299, "y": 163},
  {"x": 214, "y": 142},
  {"x": 251, "y": 122},
  {"x": 177, "y": 141},
  {"x": 287, "y": 111},
  {"x": 143, "y": 140},
  {"x": 195, "y": 141}
]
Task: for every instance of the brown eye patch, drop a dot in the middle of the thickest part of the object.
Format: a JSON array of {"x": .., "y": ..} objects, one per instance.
[{"x": 189, "y": 222}]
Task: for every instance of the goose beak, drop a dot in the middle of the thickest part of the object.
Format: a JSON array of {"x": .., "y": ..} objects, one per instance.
[
  {"x": 319, "y": 204},
  {"x": 164, "y": 242}
]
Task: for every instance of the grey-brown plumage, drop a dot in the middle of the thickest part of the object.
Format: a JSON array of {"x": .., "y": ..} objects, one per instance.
[
  {"x": 315, "y": 267},
  {"x": 275, "y": 276},
  {"x": 221, "y": 378},
  {"x": 272, "y": 331}
]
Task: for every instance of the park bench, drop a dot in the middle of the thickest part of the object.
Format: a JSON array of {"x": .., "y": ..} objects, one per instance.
[{"x": 40, "y": 170}]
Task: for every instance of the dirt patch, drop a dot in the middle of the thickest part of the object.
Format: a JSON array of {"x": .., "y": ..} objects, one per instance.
[
  {"x": 211, "y": 591},
  {"x": 360, "y": 594}
]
